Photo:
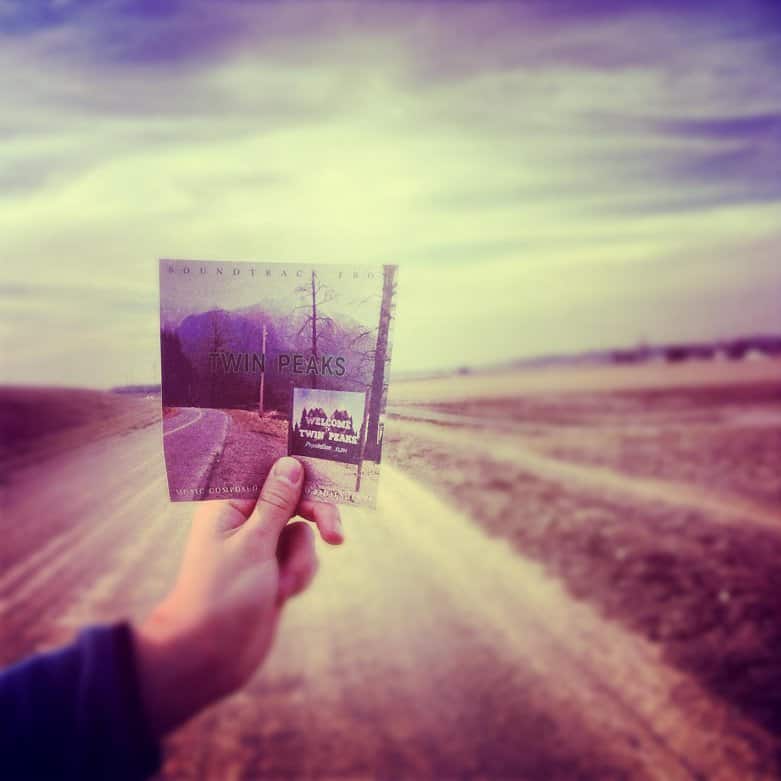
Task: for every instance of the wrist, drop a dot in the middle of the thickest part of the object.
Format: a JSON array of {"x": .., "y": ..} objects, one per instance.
[{"x": 176, "y": 669}]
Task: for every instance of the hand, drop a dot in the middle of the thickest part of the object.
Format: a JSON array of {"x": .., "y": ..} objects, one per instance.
[{"x": 241, "y": 563}]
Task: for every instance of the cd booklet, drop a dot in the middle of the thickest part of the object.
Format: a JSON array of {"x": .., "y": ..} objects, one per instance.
[{"x": 260, "y": 360}]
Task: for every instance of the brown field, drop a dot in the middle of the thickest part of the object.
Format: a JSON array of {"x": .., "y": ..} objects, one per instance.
[
  {"x": 649, "y": 494},
  {"x": 37, "y": 422},
  {"x": 572, "y": 573},
  {"x": 586, "y": 378}
]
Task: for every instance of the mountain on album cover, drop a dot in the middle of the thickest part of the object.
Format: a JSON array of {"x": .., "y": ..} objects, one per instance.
[{"x": 260, "y": 360}]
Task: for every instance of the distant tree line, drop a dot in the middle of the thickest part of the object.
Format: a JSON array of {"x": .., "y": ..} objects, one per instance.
[{"x": 735, "y": 349}]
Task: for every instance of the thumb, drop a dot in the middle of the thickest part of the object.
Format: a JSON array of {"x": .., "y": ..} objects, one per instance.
[{"x": 278, "y": 499}]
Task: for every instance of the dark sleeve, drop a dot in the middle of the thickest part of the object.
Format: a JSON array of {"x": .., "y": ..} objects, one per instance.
[{"x": 76, "y": 712}]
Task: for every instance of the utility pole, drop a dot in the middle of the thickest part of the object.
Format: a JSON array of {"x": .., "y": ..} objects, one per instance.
[
  {"x": 314, "y": 327},
  {"x": 263, "y": 369}
]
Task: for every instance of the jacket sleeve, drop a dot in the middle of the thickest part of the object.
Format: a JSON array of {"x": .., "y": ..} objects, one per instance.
[{"x": 76, "y": 712}]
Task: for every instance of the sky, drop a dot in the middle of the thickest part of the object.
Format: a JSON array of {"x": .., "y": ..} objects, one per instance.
[{"x": 550, "y": 176}]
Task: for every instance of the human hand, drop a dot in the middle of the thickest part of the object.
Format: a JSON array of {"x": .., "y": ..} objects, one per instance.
[{"x": 241, "y": 563}]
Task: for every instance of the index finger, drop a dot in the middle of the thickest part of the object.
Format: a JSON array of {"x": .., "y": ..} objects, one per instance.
[
  {"x": 325, "y": 516},
  {"x": 224, "y": 516}
]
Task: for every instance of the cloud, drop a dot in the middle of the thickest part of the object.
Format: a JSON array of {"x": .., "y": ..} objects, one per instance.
[
  {"x": 530, "y": 165},
  {"x": 756, "y": 127},
  {"x": 136, "y": 31}
]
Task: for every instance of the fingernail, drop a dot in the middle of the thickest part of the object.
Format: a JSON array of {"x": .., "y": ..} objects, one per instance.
[
  {"x": 288, "y": 469},
  {"x": 338, "y": 527}
]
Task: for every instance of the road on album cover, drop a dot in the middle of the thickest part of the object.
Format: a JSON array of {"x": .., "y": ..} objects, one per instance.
[
  {"x": 194, "y": 437},
  {"x": 424, "y": 649}
]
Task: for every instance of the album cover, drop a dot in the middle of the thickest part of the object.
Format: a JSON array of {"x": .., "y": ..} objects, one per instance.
[{"x": 260, "y": 360}]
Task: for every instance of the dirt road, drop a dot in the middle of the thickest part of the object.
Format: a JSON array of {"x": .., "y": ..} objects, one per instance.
[{"x": 424, "y": 650}]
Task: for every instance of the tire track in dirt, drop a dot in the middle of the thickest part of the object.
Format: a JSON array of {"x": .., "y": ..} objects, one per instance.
[
  {"x": 640, "y": 699},
  {"x": 719, "y": 507},
  {"x": 65, "y": 580},
  {"x": 63, "y": 545},
  {"x": 129, "y": 565}
]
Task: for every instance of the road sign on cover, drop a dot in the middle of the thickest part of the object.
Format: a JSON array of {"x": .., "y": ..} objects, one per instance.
[{"x": 328, "y": 424}]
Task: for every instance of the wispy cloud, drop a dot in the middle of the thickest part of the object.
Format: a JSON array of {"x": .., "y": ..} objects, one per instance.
[{"x": 534, "y": 166}]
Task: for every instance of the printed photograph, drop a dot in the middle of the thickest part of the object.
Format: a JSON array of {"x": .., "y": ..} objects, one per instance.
[
  {"x": 259, "y": 360},
  {"x": 328, "y": 432}
]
